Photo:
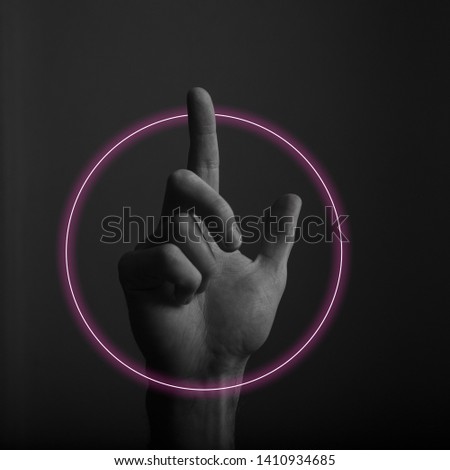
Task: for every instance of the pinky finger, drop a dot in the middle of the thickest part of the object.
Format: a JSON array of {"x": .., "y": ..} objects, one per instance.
[{"x": 148, "y": 269}]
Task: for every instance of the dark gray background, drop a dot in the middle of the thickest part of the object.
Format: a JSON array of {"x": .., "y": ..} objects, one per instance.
[{"x": 361, "y": 84}]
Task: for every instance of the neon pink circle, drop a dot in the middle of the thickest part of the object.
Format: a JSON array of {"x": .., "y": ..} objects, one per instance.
[{"x": 242, "y": 121}]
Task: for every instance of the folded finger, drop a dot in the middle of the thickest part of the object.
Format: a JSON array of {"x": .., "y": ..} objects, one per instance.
[
  {"x": 147, "y": 269},
  {"x": 186, "y": 191},
  {"x": 187, "y": 234}
]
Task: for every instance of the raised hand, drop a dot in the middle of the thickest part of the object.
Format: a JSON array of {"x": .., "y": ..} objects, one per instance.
[{"x": 199, "y": 307}]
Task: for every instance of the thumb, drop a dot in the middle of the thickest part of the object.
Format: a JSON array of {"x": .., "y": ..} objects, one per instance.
[{"x": 280, "y": 221}]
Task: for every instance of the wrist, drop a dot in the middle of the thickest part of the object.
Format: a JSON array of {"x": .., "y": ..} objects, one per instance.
[
  {"x": 197, "y": 420},
  {"x": 205, "y": 371}
]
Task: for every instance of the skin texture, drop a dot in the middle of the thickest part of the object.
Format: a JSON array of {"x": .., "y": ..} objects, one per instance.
[{"x": 198, "y": 307}]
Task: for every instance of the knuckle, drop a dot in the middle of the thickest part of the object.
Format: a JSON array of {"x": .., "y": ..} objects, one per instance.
[
  {"x": 192, "y": 281},
  {"x": 179, "y": 178},
  {"x": 169, "y": 253},
  {"x": 195, "y": 279}
]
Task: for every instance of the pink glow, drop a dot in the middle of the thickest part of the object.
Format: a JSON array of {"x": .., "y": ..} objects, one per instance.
[{"x": 156, "y": 124}]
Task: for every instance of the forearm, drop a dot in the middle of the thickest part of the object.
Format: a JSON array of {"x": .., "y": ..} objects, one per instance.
[{"x": 204, "y": 420}]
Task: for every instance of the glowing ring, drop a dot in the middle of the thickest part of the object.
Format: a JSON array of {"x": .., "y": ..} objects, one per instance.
[{"x": 242, "y": 121}]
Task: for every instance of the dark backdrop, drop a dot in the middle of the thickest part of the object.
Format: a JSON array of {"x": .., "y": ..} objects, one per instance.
[{"x": 362, "y": 84}]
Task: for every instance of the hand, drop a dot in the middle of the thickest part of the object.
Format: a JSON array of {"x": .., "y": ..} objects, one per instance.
[{"x": 199, "y": 307}]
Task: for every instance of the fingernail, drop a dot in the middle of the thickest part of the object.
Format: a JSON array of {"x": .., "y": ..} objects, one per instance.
[{"x": 232, "y": 240}]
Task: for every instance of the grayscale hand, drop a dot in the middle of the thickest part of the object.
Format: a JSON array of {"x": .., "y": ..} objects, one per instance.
[{"x": 198, "y": 307}]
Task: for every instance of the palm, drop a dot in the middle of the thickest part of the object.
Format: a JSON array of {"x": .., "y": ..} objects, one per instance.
[{"x": 219, "y": 328}]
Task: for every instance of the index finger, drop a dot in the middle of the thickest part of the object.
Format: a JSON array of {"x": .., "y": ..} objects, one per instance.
[{"x": 203, "y": 156}]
